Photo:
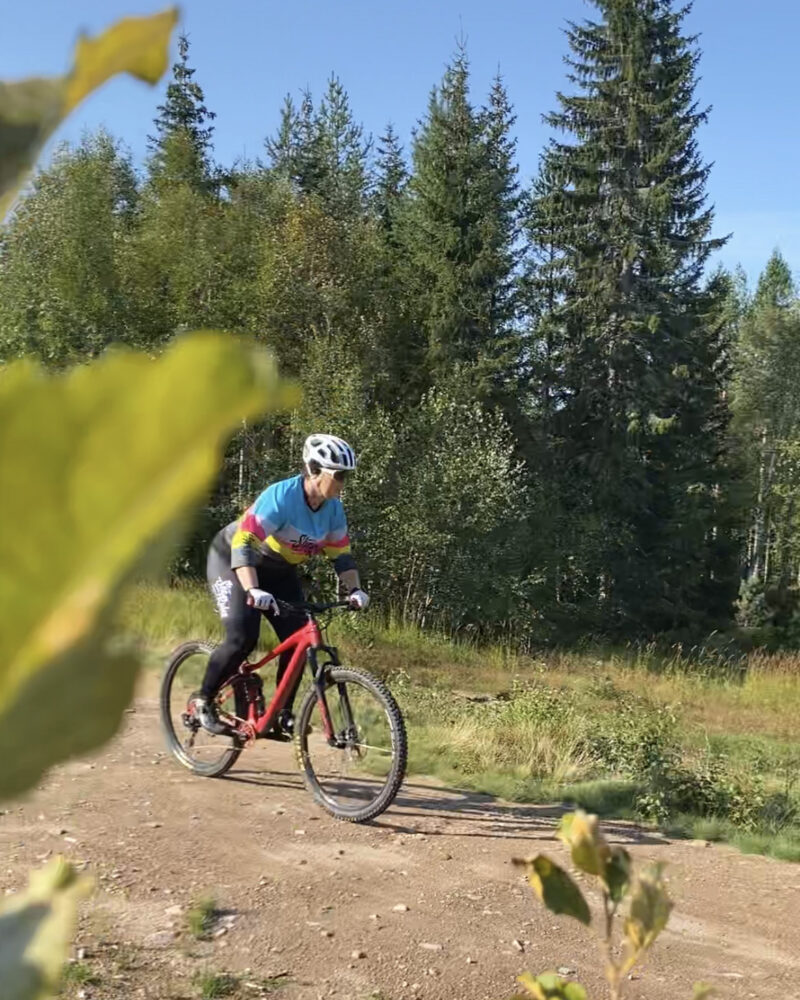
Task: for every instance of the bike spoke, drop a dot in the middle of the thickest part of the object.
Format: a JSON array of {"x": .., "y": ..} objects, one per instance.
[
  {"x": 353, "y": 773},
  {"x": 194, "y": 743}
]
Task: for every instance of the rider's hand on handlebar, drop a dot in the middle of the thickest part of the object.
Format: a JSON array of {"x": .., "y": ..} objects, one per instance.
[
  {"x": 262, "y": 600},
  {"x": 358, "y": 600}
]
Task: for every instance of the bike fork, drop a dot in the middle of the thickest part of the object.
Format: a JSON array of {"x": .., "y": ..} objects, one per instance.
[{"x": 318, "y": 673}]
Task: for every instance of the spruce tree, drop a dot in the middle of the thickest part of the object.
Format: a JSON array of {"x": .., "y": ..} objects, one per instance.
[
  {"x": 776, "y": 288},
  {"x": 391, "y": 179},
  {"x": 342, "y": 150},
  {"x": 398, "y": 367},
  {"x": 181, "y": 149},
  {"x": 323, "y": 152},
  {"x": 635, "y": 434},
  {"x": 459, "y": 227},
  {"x": 282, "y": 148},
  {"x": 542, "y": 288},
  {"x": 293, "y": 152},
  {"x": 500, "y": 221}
]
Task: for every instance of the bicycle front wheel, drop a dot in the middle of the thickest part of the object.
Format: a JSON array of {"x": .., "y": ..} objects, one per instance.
[{"x": 356, "y": 774}]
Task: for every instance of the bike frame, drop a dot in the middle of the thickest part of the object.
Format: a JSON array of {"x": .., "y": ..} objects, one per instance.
[{"x": 306, "y": 643}]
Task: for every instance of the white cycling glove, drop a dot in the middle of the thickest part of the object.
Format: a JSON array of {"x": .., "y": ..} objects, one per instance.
[
  {"x": 358, "y": 600},
  {"x": 263, "y": 600}
]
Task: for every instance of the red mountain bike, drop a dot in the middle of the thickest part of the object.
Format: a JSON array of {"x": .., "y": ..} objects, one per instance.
[{"x": 350, "y": 736}]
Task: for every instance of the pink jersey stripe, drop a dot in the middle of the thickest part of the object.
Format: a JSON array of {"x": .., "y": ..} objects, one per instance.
[{"x": 250, "y": 523}]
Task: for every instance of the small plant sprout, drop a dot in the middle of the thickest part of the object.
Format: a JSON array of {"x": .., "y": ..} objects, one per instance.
[{"x": 648, "y": 908}]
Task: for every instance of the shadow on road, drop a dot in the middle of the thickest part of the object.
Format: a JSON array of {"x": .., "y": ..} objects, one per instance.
[{"x": 464, "y": 813}]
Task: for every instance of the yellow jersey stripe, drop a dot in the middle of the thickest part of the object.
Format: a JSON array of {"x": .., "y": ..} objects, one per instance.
[{"x": 295, "y": 558}]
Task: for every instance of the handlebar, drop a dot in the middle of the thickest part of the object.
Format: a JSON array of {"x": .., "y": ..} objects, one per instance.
[
  {"x": 308, "y": 607},
  {"x": 314, "y": 609}
]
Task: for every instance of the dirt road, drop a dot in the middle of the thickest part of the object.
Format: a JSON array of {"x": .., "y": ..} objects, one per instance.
[{"x": 424, "y": 903}]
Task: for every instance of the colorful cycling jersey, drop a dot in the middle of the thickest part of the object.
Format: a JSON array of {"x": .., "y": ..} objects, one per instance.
[{"x": 281, "y": 525}]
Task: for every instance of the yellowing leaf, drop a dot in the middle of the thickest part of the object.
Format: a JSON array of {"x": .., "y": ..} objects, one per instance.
[
  {"x": 99, "y": 470},
  {"x": 555, "y": 888},
  {"x": 702, "y": 991},
  {"x": 136, "y": 45},
  {"x": 30, "y": 110},
  {"x": 650, "y": 909},
  {"x": 591, "y": 853},
  {"x": 36, "y": 928},
  {"x": 588, "y": 847},
  {"x": 549, "y": 986}
]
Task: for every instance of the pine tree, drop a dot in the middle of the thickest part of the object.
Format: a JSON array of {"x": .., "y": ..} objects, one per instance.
[
  {"x": 458, "y": 230},
  {"x": 308, "y": 167},
  {"x": 391, "y": 180},
  {"x": 541, "y": 293},
  {"x": 398, "y": 365},
  {"x": 501, "y": 223},
  {"x": 323, "y": 152},
  {"x": 293, "y": 151},
  {"x": 629, "y": 325},
  {"x": 542, "y": 289},
  {"x": 776, "y": 288},
  {"x": 282, "y": 149},
  {"x": 181, "y": 148},
  {"x": 342, "y": 152}
]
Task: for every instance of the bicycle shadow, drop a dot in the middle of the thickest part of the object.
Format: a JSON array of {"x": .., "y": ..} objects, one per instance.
[{"x": 443, "y": 811}]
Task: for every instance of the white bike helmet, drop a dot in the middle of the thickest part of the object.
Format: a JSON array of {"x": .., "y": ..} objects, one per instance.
[{"x": 329, "y": 452}]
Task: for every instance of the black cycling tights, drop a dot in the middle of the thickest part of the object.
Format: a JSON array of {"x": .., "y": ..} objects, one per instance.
[{"x": 242, "y": 622}]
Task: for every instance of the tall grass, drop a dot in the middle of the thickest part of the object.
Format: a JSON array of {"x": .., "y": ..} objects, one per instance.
[
  {"x": 682, "y": 736},
  {"x": 164, "y": 616}
]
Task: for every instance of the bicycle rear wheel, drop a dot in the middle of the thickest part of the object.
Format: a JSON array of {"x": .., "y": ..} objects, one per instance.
[
  {"x": 200, "y": 751},
  {"x": 356, "y": 775}
]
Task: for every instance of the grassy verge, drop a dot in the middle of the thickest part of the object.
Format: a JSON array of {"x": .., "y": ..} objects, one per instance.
[{"x": 694, "y": 740}]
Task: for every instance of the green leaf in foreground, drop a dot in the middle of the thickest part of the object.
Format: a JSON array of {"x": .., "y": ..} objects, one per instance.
[
  {"x": 30, "y": 110},
  {"x": 617, "y": 873},
  {"x": 549, "y": 986},
  {"x": 650, "y": 909},
  {"x": 36, "y": 927},
  {"x": 555, "y": 888},
  {"x": 99, "y": 469}
]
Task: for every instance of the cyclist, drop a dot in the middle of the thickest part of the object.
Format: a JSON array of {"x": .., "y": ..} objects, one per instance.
[{"x": 252, "y": 561}]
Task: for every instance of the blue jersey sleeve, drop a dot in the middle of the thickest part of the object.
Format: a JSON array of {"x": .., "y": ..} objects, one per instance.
[{"x": 257, "y": 522}]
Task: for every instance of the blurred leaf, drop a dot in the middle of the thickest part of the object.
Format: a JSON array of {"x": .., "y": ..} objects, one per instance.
[
  {"x": 555, "y": 888},
  {"x": 617, "y": 873},
  {"x": 30, "y": 110},
  {"x": 702, "y": 991},
  {"x": 135, "y": 45},
  {"x": 36, "y": 928},
  {"x": 588, "y": 847},
  {"x": 102, "y": 467},
  {"x": 549, "y": 986},
  {"x": 650, "y": 909},
  {"x": 591, "y": 853}
]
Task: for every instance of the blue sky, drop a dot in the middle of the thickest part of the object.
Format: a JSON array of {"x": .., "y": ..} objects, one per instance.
[{"x": 250, "y": 53}]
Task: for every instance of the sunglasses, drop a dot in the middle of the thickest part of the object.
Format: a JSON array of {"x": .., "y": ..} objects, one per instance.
[{"x": 340, "y": 475}]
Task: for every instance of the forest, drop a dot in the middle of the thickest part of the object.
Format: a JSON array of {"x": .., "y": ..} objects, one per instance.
[{"x": 571, "y": 422}]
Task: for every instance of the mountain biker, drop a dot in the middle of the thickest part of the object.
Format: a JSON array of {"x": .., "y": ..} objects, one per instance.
[{"x": 252, "y": 561}]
